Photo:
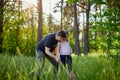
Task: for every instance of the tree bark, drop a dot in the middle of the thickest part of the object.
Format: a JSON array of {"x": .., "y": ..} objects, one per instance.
[
  {"x": 39, "y": 20},
  {"x": 18, "y": 27},
  {"x": 32, "y": 25},
  {"x": 76, "y": 31},
  {"x": 1, "y": 23},
  {"x": 86, "y": 33},
  {"x": 61, "y": 14}
]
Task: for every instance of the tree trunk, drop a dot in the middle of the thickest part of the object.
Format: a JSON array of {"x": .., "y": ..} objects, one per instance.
[
  {"x": 18, "y": 27},
  {"x": 1, "y": 24},
  {"x": 32, "y": 25},
  {"x": 76, "y": 31},
  {"x": 39, "y": 20},
  {"x": 109, "y": 41},
  {"x": 86, "y": 33},
  {"x": 61, "y": 14}
]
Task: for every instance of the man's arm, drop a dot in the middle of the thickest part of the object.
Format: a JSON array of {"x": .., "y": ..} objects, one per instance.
[{"x": 47, "y": 51}]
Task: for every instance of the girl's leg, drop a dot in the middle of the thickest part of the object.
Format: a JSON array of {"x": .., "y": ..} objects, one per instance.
[
  {"x": 63, "y": 59},
  {"x": 69, "y": 62}
]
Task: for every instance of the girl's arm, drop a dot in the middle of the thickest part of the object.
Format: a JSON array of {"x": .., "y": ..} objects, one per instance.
[{"x": 58, "y": 50}]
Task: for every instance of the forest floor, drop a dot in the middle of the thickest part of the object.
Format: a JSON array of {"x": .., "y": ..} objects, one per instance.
[{"x": 90, "y": 67}]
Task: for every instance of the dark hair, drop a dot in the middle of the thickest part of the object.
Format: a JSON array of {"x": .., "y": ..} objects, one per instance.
[
  {"x": 66, "y": 32},
  {"x": 61, "y": 33}
]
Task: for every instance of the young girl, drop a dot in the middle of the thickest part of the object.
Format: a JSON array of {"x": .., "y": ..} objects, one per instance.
[{"x": 65, "y": 52}]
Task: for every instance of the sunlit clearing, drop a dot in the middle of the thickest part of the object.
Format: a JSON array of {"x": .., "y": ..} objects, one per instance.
[{"x": 30, "y": 2}]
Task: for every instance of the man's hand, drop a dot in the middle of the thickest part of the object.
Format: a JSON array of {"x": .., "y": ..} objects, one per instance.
[{"x": 57, "y": 59}]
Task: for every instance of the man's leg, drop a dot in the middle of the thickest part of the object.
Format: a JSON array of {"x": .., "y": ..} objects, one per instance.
[
  {"x": 40, "y": 59},
  {"x": 54, "y": 63}
]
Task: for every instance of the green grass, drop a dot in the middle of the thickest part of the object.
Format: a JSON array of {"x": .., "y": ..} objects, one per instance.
[{"x": 91, "y": 67}]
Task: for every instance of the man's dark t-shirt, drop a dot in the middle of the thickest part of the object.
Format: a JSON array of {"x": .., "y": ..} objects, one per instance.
[{"x": 49, "y": 41}]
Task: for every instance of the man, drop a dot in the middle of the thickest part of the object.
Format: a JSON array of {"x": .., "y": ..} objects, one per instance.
[{"x": 45, "y": 48}]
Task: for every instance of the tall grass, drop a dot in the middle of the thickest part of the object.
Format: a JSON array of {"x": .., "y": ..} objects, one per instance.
[
  {"x": 97, "y": 67},
  {"x": 91, "y": 67}
]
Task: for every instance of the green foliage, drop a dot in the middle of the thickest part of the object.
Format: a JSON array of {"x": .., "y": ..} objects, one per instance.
[
  {"x": 91, "y": 67},
  {"x": 19, "y": 30},
  {"x": 20, "y": 26},
  {"x": 72, "y": 40},
  {"x": 72, "y": 1},
  {"x": 45, "y": 31},
  {"x": 105, "y": 29}
]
